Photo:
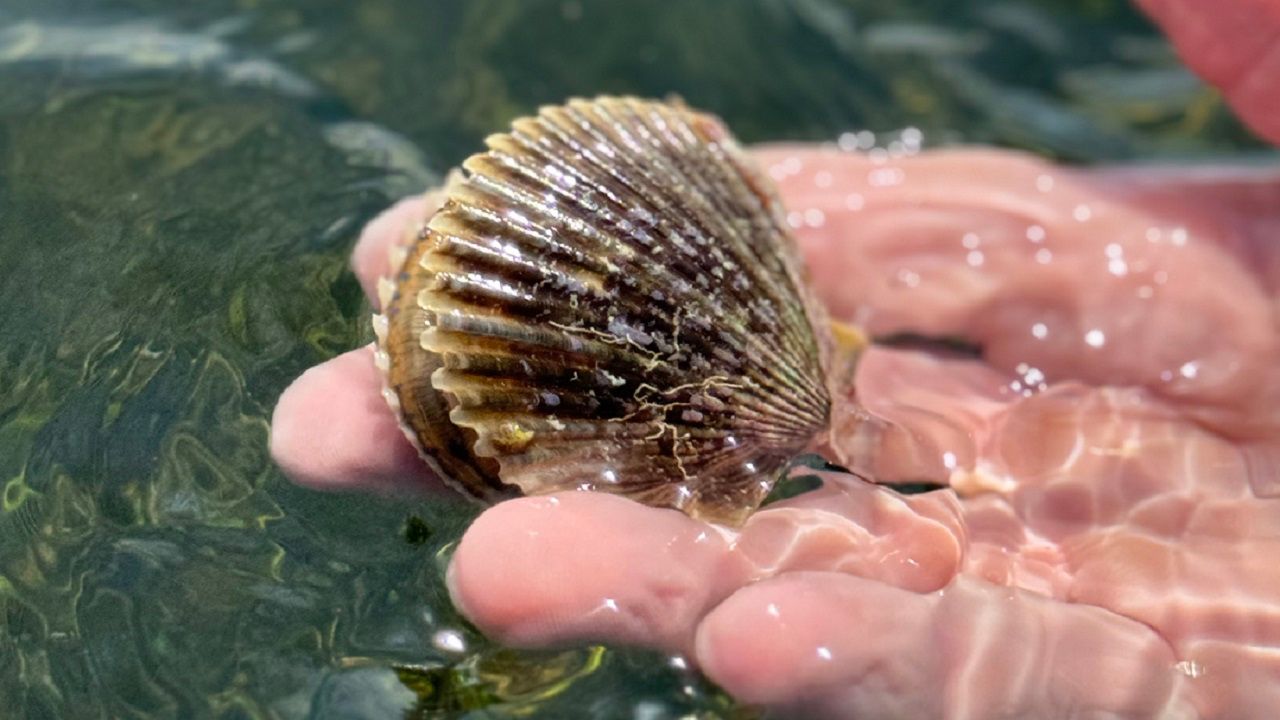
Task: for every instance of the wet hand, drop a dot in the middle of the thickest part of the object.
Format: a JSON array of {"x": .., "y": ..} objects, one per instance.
[
  {"x": 1106, "y": 547},
  {"x": 1106, "y": 544},
  {"x": 1233, "y": 46}
]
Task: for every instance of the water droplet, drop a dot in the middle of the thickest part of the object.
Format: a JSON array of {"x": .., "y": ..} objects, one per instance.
[
  {"x": 1043, "y": 256},
  {"x": 1082, "y": 213},
  {"x": 1035, "y": 233},
  {"x": 786, "y": 167},
  {"x": 949, "y": 460},
  {"x": 1119, "y": 268},
  {"x": 795, "y": 219},
  {"x": 772, "y": 610},
  {"x": 908, "y": 278},
  {"x": 970, "y": 240},
  {"x": 449, "y": 641},
  {"x": 1178, "y": 236},
  {"x": 813, "y": 217},
  {"x": 1044, "y": 183},
  {"x": 1095, "y": 338},
  {"x": 822, "y": 179},
  {"x": 824, "y": 653},
  {"x": 1039, "y": 331},
  {"x": 885, "y": 177},
  {"x": 1189, "y": 370},
  {"x": 854, "y": 201},
  {"x": 974, "y": 258},
  {"x": 1113, "y": 251},
  {"x": 1190, "y": 668}
]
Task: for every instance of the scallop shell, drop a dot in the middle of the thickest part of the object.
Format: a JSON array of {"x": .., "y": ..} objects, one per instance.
[{"x": 608, "y": 300}]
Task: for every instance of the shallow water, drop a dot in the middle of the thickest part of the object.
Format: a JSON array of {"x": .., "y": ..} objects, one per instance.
[{"x": 179, "y": 189}]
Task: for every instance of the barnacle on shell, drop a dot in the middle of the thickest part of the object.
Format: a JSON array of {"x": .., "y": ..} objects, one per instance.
[{"x": 608, "y": 299}]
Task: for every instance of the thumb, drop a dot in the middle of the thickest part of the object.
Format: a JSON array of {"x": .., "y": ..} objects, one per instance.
[{"x": 1235, "y": 46}]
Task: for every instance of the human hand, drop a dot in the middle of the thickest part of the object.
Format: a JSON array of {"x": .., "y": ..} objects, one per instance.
[
  {"x": 1107, "y": 548},
  {"x": 1233, "y": 45}
]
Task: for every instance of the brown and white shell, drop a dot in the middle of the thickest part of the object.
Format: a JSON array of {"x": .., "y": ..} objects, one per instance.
[{"x": 609, "y": 299}]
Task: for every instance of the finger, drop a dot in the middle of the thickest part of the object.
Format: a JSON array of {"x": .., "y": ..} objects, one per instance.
[
  {"x": 585, "y": 566},
  {"x": 1246, "y": 681},
  {"x": 1207, "y": 578},
  {"x": 589, "y": 566},
  {"x": 1233, "y": 45},
  {"x": 1041, "y": 268},
  {"x": 827, "y": 645},
  {"x": 371, "y": 258},
  {"x": 1239, "y": 206},
  {"x": 332, "y": 430},
  {"x": 852, "y": 526},
  {"x": 929, "y": 415}
]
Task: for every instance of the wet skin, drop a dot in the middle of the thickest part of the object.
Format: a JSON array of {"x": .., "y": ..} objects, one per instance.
[{"x": 1106, "y": 547}]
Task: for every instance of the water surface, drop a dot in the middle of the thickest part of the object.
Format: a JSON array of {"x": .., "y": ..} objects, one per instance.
[{"x": 180, "y": 184}]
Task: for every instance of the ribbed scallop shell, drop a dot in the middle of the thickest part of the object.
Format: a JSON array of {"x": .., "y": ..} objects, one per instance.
[{"x": 608, "y": 299}]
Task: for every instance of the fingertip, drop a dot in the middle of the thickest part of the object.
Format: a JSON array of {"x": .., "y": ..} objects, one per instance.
[
  {"x": 744, "y": 663},
  {"x": 371, "y": 258},
  {"x": 1232, "y": 45},
  {"x": 777, "y": 641},
  {"x": 587, "y": 566},
  {"x": 332, "y": 430},
  {"x": 494, "y": 577},
  {"x": 290, "y": 442}
]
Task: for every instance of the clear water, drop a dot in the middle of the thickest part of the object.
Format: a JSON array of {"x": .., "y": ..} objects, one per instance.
[{"x": 180, "y": 184}]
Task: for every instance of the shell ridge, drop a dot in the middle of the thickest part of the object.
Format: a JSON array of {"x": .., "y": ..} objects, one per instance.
[
  {"x": 754, "y": 257},
  {"x": 584, "y": 123},
  {"x": 610, "y": 299},
  {"x": 730, "y": 167},
  {"x": 768, "y": 349},
  {"x": 781, "y": 361}
]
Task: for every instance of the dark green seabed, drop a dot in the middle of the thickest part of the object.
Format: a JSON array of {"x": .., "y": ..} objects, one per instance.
[{"x": 180, "y": 184}]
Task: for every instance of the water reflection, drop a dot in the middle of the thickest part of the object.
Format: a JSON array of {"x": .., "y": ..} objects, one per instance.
[{"x": 179, "y": 188}]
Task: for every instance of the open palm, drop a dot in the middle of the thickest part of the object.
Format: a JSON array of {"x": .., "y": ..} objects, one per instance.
[{"x": 1106, "y": 546}]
